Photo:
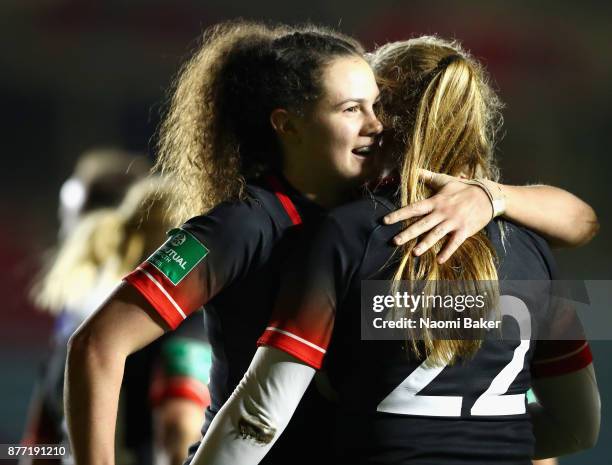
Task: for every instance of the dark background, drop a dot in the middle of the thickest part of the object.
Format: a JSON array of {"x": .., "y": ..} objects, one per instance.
[{"x": 76, "y": 74}]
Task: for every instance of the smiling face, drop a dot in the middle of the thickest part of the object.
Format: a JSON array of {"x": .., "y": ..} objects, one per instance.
[{"x": 336, "y": 136}]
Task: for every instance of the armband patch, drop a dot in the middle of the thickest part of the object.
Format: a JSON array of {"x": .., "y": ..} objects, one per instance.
[{"x": 178, "y": 255}]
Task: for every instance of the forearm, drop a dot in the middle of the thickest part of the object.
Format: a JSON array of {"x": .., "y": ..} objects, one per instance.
[
  {"x": 551, "y": 439},
  {"x": 567, "y": 417},
  {"x": 562, "y": 218},
  {"x": 258, "y": 411},
  {"x": 94, "y": 370},
  {"x": 91, "y": 396}
]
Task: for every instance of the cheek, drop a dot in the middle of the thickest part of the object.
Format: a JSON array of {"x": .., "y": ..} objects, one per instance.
[{"x": 339, "y": 134}]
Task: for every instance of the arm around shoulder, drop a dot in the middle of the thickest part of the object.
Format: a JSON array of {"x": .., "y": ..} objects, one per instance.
[{"x": 561, "y": 217}]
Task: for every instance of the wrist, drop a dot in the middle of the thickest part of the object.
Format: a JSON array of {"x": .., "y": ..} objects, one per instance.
[
  {"x": 494, "y": 192},
  {"x": 499, "y": 199}
]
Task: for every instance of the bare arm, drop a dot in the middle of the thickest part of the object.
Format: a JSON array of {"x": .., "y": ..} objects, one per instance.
[
  {"x": 94, "y": 370},
  {"x": 567, "y": 416},
  {"x": 460, "y": 210},
  {"x": 561, "y": 217}
]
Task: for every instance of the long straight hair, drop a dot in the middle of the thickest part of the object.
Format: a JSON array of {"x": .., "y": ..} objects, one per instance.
[{"x": 442, "y": 115}]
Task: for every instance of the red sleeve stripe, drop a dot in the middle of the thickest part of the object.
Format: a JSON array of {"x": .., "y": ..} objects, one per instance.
[
  {"x": 562, "y": 365},
  {"x": 181, "y": 388},
  {"x": 164, "y": 292},
  {"x": 297, "y": 338},
  {"x": 301, "y": 349},
  {"x": 561, "y": 357}
]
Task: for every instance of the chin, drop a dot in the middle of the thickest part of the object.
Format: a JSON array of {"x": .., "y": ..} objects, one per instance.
[
  {"x": 358, "y": 166},
  {"x": 355, "y": 179},
  {"x": 368, "y": 172},
  {"x": 356, "y": 170}
]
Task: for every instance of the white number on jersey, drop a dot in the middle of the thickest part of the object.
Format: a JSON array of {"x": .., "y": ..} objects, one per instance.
[{"x": 404, "y": 399}]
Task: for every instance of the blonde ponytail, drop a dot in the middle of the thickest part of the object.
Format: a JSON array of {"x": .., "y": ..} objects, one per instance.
[
  {"x": 104, "y": 246},
  {"x": 443, "y": 116},
  {"x": 73, "y": 269}
]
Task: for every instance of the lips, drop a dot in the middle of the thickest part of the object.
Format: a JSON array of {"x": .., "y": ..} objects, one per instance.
[{"x": 364, "y": 150}]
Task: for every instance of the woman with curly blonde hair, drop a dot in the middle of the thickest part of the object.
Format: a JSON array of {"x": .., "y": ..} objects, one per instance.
[{"x": 253, "y": 102}]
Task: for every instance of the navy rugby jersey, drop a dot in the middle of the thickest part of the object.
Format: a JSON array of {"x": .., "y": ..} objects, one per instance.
[
  {"x": 392, "y": 407},
  {"x": 228, "y": 260}
]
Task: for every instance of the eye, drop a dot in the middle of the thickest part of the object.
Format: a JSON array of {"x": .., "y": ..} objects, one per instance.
[{"x": 353, "y": 109}]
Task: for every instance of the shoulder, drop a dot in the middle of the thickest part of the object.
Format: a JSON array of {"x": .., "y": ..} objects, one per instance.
[
  {"x": 237, "y": 218},
  {"x": 362, "y": 216},
  {"x": 521, "y": 251},
  {"x": 347, "y": 231},
  {"x": 363, "y": 219}
]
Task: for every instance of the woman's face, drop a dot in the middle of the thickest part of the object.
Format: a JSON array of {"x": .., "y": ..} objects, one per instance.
[{"x": 338, "y": 134}]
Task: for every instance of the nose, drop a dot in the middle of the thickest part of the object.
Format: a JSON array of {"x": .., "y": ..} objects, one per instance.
[{"x": 373, "y": 126}]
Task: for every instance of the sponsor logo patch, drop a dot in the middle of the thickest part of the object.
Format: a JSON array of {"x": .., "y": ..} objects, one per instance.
[{"x": 178, "y": 255}]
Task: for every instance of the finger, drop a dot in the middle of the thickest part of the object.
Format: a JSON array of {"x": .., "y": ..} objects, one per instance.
[
  {"x": 418, "y": 228},
  {"x": 420, "y": 208},
  {"x": 426, "y": 176},
  {"x": 451, "y": 246},
  {"x": 432, "y": 237},
  {"x": 435, "y": 180}
]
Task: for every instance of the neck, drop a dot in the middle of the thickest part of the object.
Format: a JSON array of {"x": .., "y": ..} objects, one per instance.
[{"x": 322, "y": 191}]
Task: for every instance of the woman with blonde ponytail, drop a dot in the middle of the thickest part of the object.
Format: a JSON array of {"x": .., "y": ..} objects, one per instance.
[
  {"x": 416, "y": 394},
  {"x": 446, "y": 123}
]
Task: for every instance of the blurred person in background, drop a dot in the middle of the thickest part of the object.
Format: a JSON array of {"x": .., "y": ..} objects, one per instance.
[
  {"x": 100, "y": 179},
  {"x": 99, "y": 247},
  {"x": 253, "y": 103}
]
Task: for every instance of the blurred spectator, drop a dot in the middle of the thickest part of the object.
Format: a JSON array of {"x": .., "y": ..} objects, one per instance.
[{"x": 100, "y": 246}]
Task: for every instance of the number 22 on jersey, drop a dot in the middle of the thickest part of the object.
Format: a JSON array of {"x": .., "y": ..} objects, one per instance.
[{"x": 405, "y": 398}]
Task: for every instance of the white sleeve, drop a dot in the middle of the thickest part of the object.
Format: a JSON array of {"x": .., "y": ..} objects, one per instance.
[
  {"x": 567, "y": 416},
  {"x": 257, "y": 412}
]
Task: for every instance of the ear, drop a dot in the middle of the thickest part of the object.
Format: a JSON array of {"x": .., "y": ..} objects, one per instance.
[{"x": 282, "y": 122}]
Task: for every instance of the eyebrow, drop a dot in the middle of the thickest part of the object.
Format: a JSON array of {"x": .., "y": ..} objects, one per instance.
[{"x": 358, "y": 100}]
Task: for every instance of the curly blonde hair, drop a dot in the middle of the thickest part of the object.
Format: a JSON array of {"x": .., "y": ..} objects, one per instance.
[
  {"x": 217, "y": 132},
  {"x": 193, "y": 150}
]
